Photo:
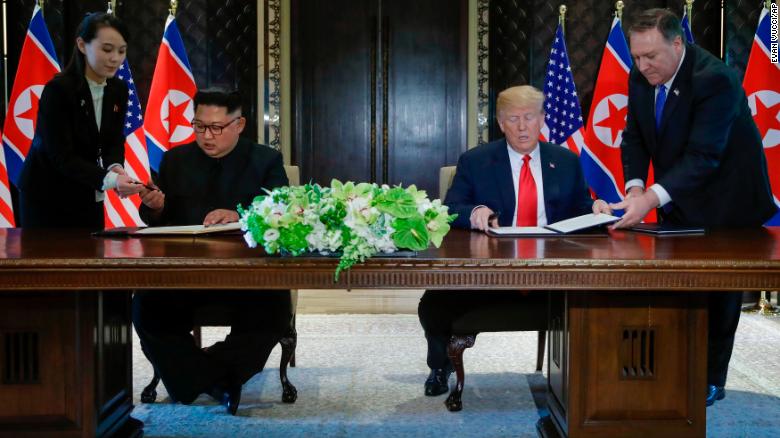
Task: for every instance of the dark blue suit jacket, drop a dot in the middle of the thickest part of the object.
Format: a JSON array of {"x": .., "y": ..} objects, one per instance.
[
  {"x": 484, "y": 177},
  {"x": 708, "y": 154}
]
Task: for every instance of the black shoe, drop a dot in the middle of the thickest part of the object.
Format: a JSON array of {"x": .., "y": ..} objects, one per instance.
[
  {"x": 715, "y": 393},
  {"x": 226, "y": 395},
  {"x": 436, "y": 383},
  {"x": 233, "y": 398}
]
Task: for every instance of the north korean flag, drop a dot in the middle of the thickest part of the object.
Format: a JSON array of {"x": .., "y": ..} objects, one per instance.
[
  {"x": 603, "y": 167},
  {"x": 37, "y": 65},
  {"x": 762, "y": 86},
  {"x": 169, "y": 109}
]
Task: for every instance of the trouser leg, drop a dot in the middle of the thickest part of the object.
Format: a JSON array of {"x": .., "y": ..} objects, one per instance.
[
  {"x": 259, "y": 320},
  {"x": 724, "y": 311},
  {"x": 163, "y": 321}
]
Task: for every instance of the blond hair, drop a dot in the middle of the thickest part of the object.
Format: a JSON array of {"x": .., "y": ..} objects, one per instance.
[{"x": 519, "y": 96}]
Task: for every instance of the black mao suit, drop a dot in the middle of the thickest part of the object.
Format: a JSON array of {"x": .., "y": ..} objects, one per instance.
[
  {"x": 484, "y": 177},
  {"x": 708, "y": 156},
  {"x": 69, "y": 155},
  {"x": 195, "y": 184}
]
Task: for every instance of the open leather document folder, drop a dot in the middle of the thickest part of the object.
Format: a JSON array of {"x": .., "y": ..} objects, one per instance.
[
  {"x": 183, "y": 230},
  {"x": 667, "y": 229},
  {"x": 581, "y": 224}
]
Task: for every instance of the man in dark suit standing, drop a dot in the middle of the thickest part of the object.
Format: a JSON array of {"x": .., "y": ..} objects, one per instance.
[
  {"x": 516, "y": 181},
  {"x": 689, "y": 116},
  {"x": 202, "y": 183}
]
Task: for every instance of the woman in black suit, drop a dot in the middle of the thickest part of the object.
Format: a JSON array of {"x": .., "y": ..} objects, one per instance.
[{"x": 77, "y": 152}]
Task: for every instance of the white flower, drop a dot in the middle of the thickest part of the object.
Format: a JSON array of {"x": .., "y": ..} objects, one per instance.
[
  {"x": 250, "y": 241},
  {"x": 271, "y": 235},
  {"x": 423, "y": 206}
]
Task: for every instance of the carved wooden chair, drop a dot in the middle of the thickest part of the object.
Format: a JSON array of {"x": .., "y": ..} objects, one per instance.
[
  {"x": 531, "y": 317},
  {"x": 214, "y": 317}
]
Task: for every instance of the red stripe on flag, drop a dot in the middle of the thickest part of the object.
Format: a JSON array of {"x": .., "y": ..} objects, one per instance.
[
  {"x": 119, "y": 208},
  {"x": 7, "y": 212}
]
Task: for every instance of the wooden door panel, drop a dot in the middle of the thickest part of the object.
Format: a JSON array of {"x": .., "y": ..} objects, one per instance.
[
  {"x": 379, "y": 95},
  {"x": 426, "y": 96},
  {"x": 332, "y": 64}
]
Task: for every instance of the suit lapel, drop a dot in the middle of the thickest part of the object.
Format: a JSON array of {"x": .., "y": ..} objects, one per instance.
[
  {"x": 87, "y": 109},
  {"x": 503, "y": 175},
  {"x": 646, "y": 117},
  {"x": 111, "y": 106},
  {"x": 678, "y": 86},
  {"x": 549, "y": 180}
]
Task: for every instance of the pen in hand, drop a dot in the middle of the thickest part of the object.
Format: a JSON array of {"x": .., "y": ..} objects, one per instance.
[{"x": 147, "y": 186}]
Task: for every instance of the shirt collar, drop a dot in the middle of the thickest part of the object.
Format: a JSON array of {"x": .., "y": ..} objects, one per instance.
[
  {"x": 513, "y": 154},
  {"x": 94, "y": 84}
]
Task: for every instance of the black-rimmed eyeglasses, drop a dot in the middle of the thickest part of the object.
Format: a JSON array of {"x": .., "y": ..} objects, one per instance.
[{"x": 201, "y": 128}]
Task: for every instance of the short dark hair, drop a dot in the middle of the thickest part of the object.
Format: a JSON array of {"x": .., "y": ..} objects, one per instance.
[
  {"x": 217, "y": 96},
  {"x": 662, "y": 19}
]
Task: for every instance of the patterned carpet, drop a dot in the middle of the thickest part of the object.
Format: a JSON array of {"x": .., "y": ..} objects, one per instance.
[{"x": 362, "y": 375}]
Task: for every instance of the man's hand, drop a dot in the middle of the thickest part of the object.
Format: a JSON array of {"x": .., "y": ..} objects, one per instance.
[
  {"x": 480, "y": 219},
  {"x": 636, "y": 208},
  {"x": 601, "y": 206},
  {"x": 154, "y": 199},
  {"x": 220, "y": 216}
]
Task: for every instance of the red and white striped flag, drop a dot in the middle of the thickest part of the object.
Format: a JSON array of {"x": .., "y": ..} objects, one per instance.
[
  {"x": 6, "y": 205},
  {"x": 123, "y": 212}
]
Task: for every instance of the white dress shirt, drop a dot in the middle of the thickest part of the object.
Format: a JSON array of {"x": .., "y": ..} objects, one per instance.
[{"x": 516, "y": 163}]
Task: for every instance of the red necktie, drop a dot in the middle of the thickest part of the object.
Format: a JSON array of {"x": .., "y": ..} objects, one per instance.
[{"x": 526, "y": 196}]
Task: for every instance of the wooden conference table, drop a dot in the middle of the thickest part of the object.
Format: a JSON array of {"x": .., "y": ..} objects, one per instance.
[{"x": 622, "y": 361}]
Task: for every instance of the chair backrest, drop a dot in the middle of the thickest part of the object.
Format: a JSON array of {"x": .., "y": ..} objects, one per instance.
[
  {"x": 293, "y": 175},
  {"x": 446, "y": 174}
]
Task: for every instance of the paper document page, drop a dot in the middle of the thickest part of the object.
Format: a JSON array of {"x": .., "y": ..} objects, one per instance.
[
  {"x": 190, "y": 229},
  {"x": 515, "y": 231},
  {"x": 582, "y": 222}
]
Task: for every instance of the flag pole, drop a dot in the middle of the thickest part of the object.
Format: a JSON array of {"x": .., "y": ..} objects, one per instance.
[
  {"x": 619, "y": 10},
  {"x": 562, "y": 18},
  {"x": 689, "y": 12}
]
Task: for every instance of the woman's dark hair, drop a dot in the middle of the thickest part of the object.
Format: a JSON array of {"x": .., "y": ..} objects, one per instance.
[{"x": 87, "y": 30}]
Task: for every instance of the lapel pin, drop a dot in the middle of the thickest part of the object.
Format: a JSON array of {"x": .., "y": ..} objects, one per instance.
[
  {"x": 116, "y": 108},
  {"x": 83, "y": 102},
  {"x": 676, "y": 92},
  {"x": 552, "y": 165}
]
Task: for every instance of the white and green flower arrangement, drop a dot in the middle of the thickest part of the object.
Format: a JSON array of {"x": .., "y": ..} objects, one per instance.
[{"x": 356, "y": 221}]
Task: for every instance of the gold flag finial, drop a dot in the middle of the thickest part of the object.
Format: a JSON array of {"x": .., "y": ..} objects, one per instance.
[
  {"x": 619, "y": 10},
  {"x": 562, "y": 17},
  {"x": 111, "y": 7},
  {"x": 689, "y": 8},
  {"x": 768, "y": 4},
  {"x": 174, "y": 5}
]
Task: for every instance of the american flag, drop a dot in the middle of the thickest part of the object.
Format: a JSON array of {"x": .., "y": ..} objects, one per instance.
[
  {"x": 123, "y": 212},
  {"x": 563, "y": 122}
]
